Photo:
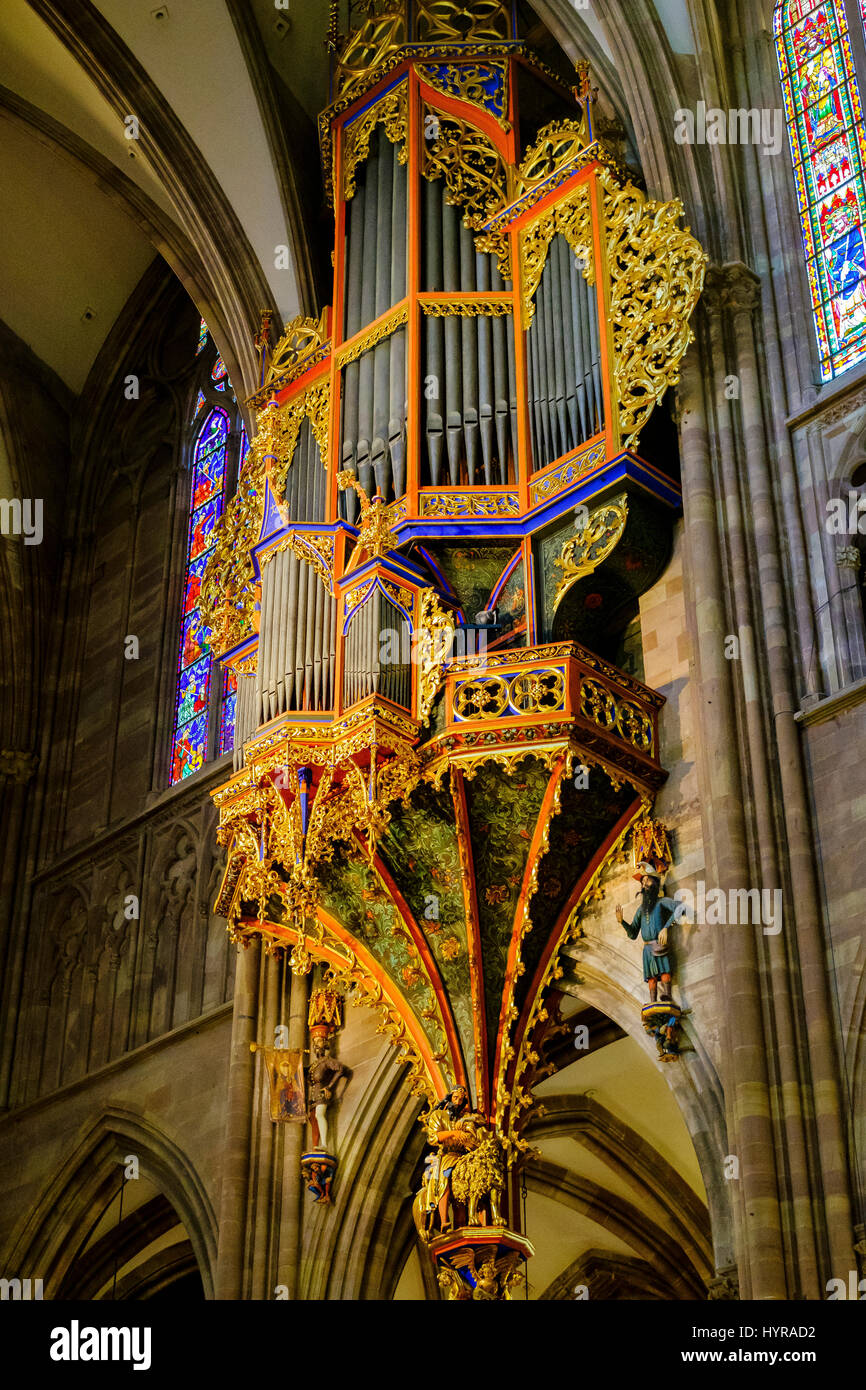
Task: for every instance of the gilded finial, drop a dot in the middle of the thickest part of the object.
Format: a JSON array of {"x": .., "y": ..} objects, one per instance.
[{"x": 332, "y": 41}]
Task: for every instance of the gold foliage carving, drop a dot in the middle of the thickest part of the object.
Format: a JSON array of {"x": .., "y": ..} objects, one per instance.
[
  {"x": 371, "y": 336},
  {"x": 304, "y": 343},
  {"x": 446, "y": 21},
  {"x": 470, "y": 82},
  {"x": 435, "y": 640},
  {"x": 656, "y": 270},
  {"x": 390, "y": 112},
  {"x": 370, "y": 46},
  {"x": 570, "y": 218},
  {"x": 466, "y": 308},
  {"x": 314, "y": 548},
  {"x": 280, "y": 426},
  {"x": 476, "y": 179},
  {"x": 555, "y": 151},
  {"x": 585, "y": 551}
]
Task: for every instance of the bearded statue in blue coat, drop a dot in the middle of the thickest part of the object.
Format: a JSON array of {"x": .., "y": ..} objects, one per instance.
[{"x": 653, "y": 919}]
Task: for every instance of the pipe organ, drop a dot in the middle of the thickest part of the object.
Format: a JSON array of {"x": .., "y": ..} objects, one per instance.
[{"x": 507, "y": 311}]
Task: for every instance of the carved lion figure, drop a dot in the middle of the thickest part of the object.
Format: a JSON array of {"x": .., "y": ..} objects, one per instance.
[{"x": 478, "y": 1174}]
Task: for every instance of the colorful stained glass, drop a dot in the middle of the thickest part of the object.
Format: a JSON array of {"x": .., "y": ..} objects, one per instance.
[
  {"x": 190, "y": 749},
  {"x": 219, "y": 376},
  {"x": 227, "y": 716},
  {"x": 825, "y": 127},
  {"x": 200, "y": 402},
  {"x": 202, "y": 337}
]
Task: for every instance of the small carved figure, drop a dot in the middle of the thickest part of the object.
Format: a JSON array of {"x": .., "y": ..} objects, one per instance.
[
  {"x": 323, "y": 1076},
  {"x": 319, "y": 1177},
  {"x": 653, "y": 919},
  {"x": 464, "y": 1174}
]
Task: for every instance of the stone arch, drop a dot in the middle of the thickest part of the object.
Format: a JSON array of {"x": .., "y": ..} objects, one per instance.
[
  {"x": 53, "y": 1233},
  {"x": 693, "y": 1081}
]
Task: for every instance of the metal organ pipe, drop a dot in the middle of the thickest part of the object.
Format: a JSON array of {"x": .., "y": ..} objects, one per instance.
[
  {"x": 376, "y": 643},
  {"x": 374, "y": 406},
  {"x": 296, "y": 630},
  {"x": 564, "y": 360},
  {"x": 466, "y": 358}
]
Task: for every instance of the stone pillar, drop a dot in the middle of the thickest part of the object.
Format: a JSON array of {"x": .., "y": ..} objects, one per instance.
[
  {"x": 801, "y": 1249},
  {"x": 231, "y": 1255},
  {"x": 821, "y": 1040},
  {"x": 746, "y": 1079}
]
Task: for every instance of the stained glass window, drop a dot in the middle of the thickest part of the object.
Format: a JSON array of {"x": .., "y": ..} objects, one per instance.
[
  {"x": 825, "y": 127},
  {"x": 193, "y": 741}
]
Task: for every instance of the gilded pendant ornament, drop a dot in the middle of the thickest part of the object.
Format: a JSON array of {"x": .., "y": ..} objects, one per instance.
[
  {"x": 389, "y": 112},
  {"x": 375, "y": 537},
  {"x": 593, "y": 543},
  {"x": 656, "y": 272}
]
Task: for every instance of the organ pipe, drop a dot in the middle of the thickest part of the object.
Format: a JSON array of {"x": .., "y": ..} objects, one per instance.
[{"x": 563, "y": 359}]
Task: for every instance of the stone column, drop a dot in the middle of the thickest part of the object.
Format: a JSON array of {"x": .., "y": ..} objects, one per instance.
[
  {"x": 746, "y": 1080},
  {"x": 821, "y": 1040},
  {"x": 790, "y": 1129},
  {"x": 231, "y": 1255}
]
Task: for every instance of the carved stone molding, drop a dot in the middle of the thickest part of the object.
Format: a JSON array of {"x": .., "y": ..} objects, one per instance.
[
  {"x": 732, "y": 286},
  {"x": 17, "y": 764}
]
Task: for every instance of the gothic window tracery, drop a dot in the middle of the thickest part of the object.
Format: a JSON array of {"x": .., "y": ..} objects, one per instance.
[
  {"x": 825, "y": 127},
  {"x": 203, "y": 725}
]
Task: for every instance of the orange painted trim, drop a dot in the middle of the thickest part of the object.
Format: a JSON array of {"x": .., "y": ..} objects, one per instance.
[
  {"x": 413, "y": 286},
  {"x": 337, "y": 319},
  {"x": 430, "y": 965},
  {"x": 605, "y": 329},
  {"x": 522, "y": 899},
  {"x": 554, "y": 196},
  {"x": 523, "y": 462},
  {"x": 369, "y": 96},
  {"x": 473, "y": 942},
  {"x": 368, "y": 327},
  {"x": 394, "y": 996},
  {"x": 470, "y": 296},
  {"x": 554, "y": 941},
  {"x": 465, "y": 111},
  {"x": 496, "y": 488},
  {"x": 511, "y": 140},
  {"x": 302, "y": 383},
  {"x": 529, "y": 577}
]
